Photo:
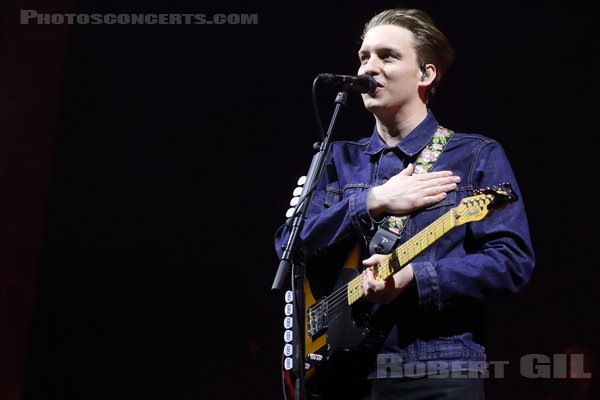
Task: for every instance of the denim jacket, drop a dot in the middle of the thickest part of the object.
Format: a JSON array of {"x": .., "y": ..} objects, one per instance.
[{"x": 438, "y": 320}]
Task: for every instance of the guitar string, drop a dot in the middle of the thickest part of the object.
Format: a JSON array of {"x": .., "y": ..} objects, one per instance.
[
  {"x": 335, "y": 298},
  {"x": 339, "y": 296}
]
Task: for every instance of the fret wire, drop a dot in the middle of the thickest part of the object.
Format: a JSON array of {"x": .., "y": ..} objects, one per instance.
[{"x": 403, "y": 254}]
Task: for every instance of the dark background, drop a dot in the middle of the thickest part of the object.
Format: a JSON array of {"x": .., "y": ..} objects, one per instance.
[{"x": 145, "y": 169}]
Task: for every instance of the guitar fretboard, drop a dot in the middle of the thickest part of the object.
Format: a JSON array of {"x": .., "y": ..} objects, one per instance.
[{"x": 400, "y": 257}]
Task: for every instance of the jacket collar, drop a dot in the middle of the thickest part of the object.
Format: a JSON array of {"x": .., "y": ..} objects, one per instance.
[{"x": 413, "y": 143}]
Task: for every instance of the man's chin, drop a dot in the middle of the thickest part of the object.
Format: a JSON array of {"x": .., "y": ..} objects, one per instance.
[{"x": 372, "y": 105}]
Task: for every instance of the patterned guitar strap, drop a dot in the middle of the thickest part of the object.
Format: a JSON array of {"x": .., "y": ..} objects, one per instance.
[{"x": 391, "y": 228}]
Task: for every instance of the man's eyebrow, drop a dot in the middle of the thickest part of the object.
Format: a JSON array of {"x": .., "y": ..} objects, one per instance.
[{"x": 382, "y": 48}]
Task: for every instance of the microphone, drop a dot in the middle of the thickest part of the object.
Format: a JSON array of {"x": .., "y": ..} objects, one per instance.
[{"x": 359, "y": 83}]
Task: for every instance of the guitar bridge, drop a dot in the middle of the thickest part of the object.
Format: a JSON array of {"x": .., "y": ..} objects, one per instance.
[
  {"x": 317, "y": 318},
  {"x": 313, "y": 359}
]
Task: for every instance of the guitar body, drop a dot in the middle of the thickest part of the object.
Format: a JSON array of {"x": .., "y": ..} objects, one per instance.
[
  {"x": 349, "y": 327},
  {"x": 349, "y": 338}
]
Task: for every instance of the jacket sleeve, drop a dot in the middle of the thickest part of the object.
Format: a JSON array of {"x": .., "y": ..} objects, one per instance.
[
  {"x": 495, "y": 257},
  {"x": 335, "y": 213}
]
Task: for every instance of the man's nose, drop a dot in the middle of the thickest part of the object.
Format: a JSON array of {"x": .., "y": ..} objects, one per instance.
[{"x": 372, "y": 66}]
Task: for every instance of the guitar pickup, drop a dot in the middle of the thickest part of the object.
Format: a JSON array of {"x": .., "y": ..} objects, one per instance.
[{"x": 317, "y": 318}]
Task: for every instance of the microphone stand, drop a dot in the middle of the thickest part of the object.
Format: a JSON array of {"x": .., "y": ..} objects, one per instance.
[{"x": 288, "y": 259}]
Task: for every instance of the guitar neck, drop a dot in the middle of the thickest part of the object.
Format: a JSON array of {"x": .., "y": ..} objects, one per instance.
[{"x": 401, "y": 256}]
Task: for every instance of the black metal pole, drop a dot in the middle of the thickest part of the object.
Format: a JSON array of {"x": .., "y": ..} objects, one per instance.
[
  {"x": 288, "y": 261},
  {"x": 314, "y": 172}
]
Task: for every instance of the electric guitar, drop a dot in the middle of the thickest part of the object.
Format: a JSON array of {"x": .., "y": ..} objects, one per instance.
[{"x": 340, "y": 334}]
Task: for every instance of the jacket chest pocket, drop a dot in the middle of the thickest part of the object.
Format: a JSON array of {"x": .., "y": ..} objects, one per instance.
[{"x": 334, "y": 194}]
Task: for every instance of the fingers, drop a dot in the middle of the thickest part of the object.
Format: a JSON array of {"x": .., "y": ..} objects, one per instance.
[
  {"x": 370, "y": 284},
  {"x": 432, "y": 199},
  {"x": 434, "y": 194},
  {"x": 365, "y": 283},
  {"x": 434, "y": 190},
  {"x": 433, "y": 175},
  {"x": 403, "y": 194},
  {"x": 435, "y": 186},
  {"x": 373, "y": 260},
  {"x": 446, "y": 180},
  {"x": 431, "y": 178},
  {"x": 408, "y": 170}
]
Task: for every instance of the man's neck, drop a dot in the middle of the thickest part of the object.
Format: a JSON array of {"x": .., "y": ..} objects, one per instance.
[{"x": 397, "y": 127}]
